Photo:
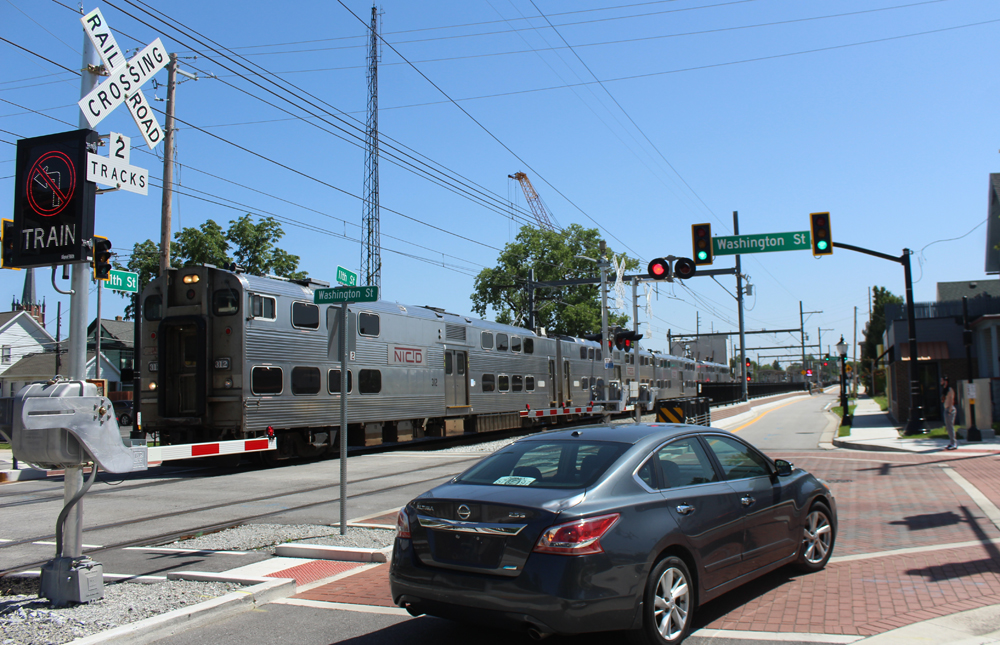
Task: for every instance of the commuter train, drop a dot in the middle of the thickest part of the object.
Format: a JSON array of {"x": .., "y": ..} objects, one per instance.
[{"x": 227, "y": 356}]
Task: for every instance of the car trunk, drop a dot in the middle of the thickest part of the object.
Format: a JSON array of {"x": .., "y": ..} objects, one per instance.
[{"x": 483, "y": 529}]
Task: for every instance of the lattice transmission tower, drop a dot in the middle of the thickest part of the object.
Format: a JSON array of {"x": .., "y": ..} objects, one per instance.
[{"x": 371, "y": 244}]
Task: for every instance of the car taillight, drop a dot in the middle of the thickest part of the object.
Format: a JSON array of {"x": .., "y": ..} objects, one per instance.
[
  {"x": 579, "y": 537},
  {"x": 402, "y": 525}
]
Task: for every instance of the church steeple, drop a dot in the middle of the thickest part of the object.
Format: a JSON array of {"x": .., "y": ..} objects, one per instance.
[{"x": 29, "y": 301}]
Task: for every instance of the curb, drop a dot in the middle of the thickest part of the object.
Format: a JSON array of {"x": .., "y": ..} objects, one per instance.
[
  {"x": 839, "y": 443},
  {"x": 264, "y": 590},
  {"x": 323, "y": 552},
  {"x": 22, "y": 474}
]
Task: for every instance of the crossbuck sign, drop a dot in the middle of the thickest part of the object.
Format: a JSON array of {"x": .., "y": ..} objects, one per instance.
[{"x": 124, "y": 79}]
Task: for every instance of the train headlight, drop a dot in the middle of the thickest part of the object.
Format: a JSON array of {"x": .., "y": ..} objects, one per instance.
[
  {"x": 191, "y": 279},
  {"x": 152, "y": 385},
  {"x": 228, "y": 383}
]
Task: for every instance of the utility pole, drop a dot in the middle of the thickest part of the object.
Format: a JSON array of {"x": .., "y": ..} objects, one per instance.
[
  {"x": 604, "y": 326},
  {"x": 168, "y": 172},
  {"x": 739, "y": 306},
  {"x": 58, "y": 335},
  {"x": 371, "y": 241},
  {"x": 635, "y": 329},
  {"x": 854, "y": 377},
  {"x": 97, "y": 336}
]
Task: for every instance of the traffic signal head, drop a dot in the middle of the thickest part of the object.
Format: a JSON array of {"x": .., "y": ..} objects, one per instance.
[
  {"x": 683, "y": 268},
  {"x": 658, "y": 269},
  {"x": 8, "y": 243},
  {"x": 102, "y": 258},
  {"x": 620, "y": 337},
  {"x": 819, "y": 230},
  {"x": 748, "y": 363},
  {"x": 596, "y": 337},
  {"x": 809, "y": 372},
  {"x": 701, "y": 240}
]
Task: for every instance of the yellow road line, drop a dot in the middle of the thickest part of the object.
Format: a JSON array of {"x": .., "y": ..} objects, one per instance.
[{"x": 764, "y": 414}]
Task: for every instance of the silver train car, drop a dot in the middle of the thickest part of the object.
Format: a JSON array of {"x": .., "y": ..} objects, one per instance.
[{"x": 228, "y": 356}]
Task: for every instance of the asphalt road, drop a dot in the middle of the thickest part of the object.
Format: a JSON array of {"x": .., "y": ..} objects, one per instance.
[{"x": 793, "y": 424}]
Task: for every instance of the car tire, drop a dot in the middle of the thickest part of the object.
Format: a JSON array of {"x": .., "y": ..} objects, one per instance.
[
  {"x": 124, "y": 419},
  {"x": 668, "y": 604},
  {"x": 818, "y": 537}
]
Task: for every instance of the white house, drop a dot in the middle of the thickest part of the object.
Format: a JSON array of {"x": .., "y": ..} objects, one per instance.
[
  {"x": 42, "y": 366},
  {"x": 20, "y": 335}
]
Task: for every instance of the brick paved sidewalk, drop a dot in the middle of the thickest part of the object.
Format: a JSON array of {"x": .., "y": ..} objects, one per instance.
[{"x": 886, "y": 502}]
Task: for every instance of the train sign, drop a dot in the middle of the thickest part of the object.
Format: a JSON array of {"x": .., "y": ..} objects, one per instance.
[
  {"x": 340, "y": 295},
  {"x": 53, "y": 201}
]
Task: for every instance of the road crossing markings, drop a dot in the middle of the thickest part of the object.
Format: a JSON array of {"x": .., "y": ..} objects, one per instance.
[
  {"x": 988, "y": 508},
  {"x": 776, "y": 637},
  {"x": 160, "y": 549}
]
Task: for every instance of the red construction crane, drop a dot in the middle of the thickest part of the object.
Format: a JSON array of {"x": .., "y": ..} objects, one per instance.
[{"x": 534, "y": 202}]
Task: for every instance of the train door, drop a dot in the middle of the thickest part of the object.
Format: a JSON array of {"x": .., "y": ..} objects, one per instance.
[
  {"x": 456, "y": 384},
  {"x": 567, "y": 385},
  {"x": 552, "y": 381},
  {"x": 182, "y": 368}
]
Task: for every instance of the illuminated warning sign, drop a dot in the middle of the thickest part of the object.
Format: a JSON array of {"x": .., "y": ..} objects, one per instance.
[{"x": 53, "y": 201}]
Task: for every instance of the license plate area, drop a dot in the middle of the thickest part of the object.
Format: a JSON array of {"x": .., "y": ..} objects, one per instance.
[{"x": 466, "y": 549}]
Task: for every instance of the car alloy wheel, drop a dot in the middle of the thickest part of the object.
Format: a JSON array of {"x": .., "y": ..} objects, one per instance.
[
  {"x": 817, "y": 539},
  {"x": 669, "y": 604}
]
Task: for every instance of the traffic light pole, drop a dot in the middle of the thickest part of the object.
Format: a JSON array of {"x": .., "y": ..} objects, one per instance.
[
  {"x": 635, "y": 330},
  {"x": 606, "y": 415},
  {"x": 915, "y": 423},
  {"x": 739, "y": 300}
]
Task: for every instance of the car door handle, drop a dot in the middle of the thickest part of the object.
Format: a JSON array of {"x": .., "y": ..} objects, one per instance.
[
  {"x": 685, "y": 509},
  {"x": 746, "y": 500}
]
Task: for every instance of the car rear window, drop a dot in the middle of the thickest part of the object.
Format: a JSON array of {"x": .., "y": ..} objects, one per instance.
[{"x": 546, "y": 464}]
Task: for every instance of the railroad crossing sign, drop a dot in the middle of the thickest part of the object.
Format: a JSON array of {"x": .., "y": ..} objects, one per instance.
[
  {"x": 339, "y": 295},
  {"x": 124, "y": 79},
  {"x": 761, "y": 243},
  {"x": 123, "y": 281},
  {"x": 114, "y": 170},
  {"x": 347, "y": 278}
]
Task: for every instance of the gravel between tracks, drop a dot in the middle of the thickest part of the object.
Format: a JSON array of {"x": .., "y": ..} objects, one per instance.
[{"x": 26, "y": 619}]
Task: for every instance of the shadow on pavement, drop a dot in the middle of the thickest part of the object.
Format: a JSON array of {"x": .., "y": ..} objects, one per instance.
[
  {"x": 435, "y": 631},
  {"x": 964, "y": 569}
]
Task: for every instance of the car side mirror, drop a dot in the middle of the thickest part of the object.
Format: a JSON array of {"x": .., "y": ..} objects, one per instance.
[{"x": 782, "y": 467}]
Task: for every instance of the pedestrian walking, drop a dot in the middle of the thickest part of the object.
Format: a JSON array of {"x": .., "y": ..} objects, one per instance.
[{"x": 949, "y": 411}]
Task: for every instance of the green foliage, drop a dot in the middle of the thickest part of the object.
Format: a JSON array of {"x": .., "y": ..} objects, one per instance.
[
  {"x": 883, "y": 402},
  {"x": 876, "y": 326},
  {"x": 255, "y": 248},
  {"x": 574, "y": 310},
  {"x": 205, "y": 245}
]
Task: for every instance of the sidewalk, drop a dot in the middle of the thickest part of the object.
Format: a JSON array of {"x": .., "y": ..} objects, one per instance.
[{"x": 874, "y": 429}]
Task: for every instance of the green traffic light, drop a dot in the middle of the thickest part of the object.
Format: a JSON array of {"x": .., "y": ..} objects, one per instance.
[
  {"x": 821, "y": 245},
  {"x": 702, "y": 255}
]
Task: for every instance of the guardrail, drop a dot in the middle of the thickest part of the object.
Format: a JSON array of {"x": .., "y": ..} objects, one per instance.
[{"x": 725, "y": 393}]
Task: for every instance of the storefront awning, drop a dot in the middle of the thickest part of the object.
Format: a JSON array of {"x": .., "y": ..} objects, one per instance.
[{"x": 930, "y": 351}]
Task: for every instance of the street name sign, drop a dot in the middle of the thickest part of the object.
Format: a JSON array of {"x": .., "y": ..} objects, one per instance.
[
  {"x": 114, "y": 170},
  {"x": 760, "y": 243},
  {"x": 339, "y": 295},
  {"x": 347, "y": 278},
  {"x": 124, "y": 80},
  {"x": 123, "y": 281}
]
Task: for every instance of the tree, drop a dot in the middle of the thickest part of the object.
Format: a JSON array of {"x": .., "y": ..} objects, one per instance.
[
  {"x": 255, "y": 250},
  {"x": 776, "y": 365},
  {"x": 206, "y": 245},
  {"x": 876, "y": 326},
  {"x": 574, "y": 310}
]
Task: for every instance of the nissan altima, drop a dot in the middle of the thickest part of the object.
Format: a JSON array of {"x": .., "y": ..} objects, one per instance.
[{"x": 603, "y": 528}]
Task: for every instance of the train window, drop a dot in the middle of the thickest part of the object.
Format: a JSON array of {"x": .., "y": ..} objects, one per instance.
[
  {"x": 305, "y": 315},
  {"x": 225, "y": 302},
  {"x": 262, "y": 307},
  {"x": 305, "y": 380},
  {"x": 584, "y": 383},
  {"x": 333, "y": 381},
  {"x": 515, "y": 343},
  {"x": 529, "y": 383},
  {"x": 489, "y": 382},
  {"x": 503, "y": 383},
  {"x": 369, "y": 381},
  {"x": 501, "y": 342},
  {"x": 590, "y": 353},
  {"x": 448, "y": 369},
  {"x": 487, "y": 339},
  {"x": 265, "y": 380},
  {"x": 529, "y": 345},
  {"x": 583, "y": 353},
  {"x": 597, "y": 355},
  {"x": 152, "y": 308},
  {"x": 368, "y": 324},
  {"x": 517, "y": 383}
]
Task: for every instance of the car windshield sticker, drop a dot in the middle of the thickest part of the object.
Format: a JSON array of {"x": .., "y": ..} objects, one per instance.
[{"x": 514, "y": 481}]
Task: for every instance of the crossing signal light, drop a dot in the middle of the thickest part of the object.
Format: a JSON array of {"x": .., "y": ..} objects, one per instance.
[
  {"x": 701, "y": 239},
  {"x": 102, "y": 258},
  {"x": 9, "y": 241},
  {"x": 658, "y": 269},
  {"x": 819, "y": 230},
  {"x": 683, "y": 268},
  {"x": 626, "y": 340}
]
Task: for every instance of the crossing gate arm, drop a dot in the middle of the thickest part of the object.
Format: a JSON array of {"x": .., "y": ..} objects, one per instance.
[{"x": 210, "y": 449}]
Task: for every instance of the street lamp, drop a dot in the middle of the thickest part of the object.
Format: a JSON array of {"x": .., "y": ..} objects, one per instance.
[
  {"x": 842, "y": 350},
  {"x": 603, "y": 264}
]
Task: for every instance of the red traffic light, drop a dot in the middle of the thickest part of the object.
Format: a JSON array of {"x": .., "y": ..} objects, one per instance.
[
  {"x": 658, "y": 269},
  {"x": 684, "y": 268}
]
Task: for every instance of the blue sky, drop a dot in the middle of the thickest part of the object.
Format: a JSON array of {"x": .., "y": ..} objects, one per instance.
[{"x": 881, "y": 112}]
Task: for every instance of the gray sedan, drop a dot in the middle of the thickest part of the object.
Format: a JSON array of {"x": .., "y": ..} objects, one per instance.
[{"x": 607, "y": 528}]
